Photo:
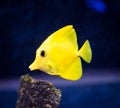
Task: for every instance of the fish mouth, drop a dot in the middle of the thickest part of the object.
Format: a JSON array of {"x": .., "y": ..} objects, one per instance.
[{"x": 33, "y": 66}]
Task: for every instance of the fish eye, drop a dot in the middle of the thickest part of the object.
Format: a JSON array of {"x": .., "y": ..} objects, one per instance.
[{"x": 42, "y": 53}]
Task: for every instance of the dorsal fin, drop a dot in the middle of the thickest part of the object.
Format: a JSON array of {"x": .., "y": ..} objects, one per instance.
[{"x": 65, "y": 35}]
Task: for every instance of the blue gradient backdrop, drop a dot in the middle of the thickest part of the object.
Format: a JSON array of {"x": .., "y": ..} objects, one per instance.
[{"x": 24, "y": 25}]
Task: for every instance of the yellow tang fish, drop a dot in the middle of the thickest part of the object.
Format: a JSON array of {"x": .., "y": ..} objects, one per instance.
[{"x": 59, "y": 54}]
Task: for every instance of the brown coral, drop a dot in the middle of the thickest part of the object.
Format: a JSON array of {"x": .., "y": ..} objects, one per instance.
[{"x": 37, "y": 94}]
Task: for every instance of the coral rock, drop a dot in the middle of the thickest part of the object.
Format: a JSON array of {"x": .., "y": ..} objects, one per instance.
[{"x": 37, "y": 94}]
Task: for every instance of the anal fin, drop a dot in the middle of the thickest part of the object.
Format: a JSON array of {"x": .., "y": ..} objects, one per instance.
[{"x": 74, "y": 72}]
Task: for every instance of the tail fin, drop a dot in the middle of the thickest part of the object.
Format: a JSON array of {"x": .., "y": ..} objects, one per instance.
[{"x": 85, "y": 52}]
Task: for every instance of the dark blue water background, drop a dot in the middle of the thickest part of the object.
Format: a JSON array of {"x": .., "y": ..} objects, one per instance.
[{"x": 24, "y": 25}]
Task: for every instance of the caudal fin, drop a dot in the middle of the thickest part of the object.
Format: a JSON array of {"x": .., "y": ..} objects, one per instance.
[{"x": 85, "y": 52}]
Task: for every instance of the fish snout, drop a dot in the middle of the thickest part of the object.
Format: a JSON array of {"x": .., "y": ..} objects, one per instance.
[
  {"x": 34, "y": 66},
  {"x": 31, "y": 67}
]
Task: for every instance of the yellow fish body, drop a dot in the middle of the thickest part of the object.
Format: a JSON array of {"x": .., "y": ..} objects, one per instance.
[{"x": 59, "y": 54}]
